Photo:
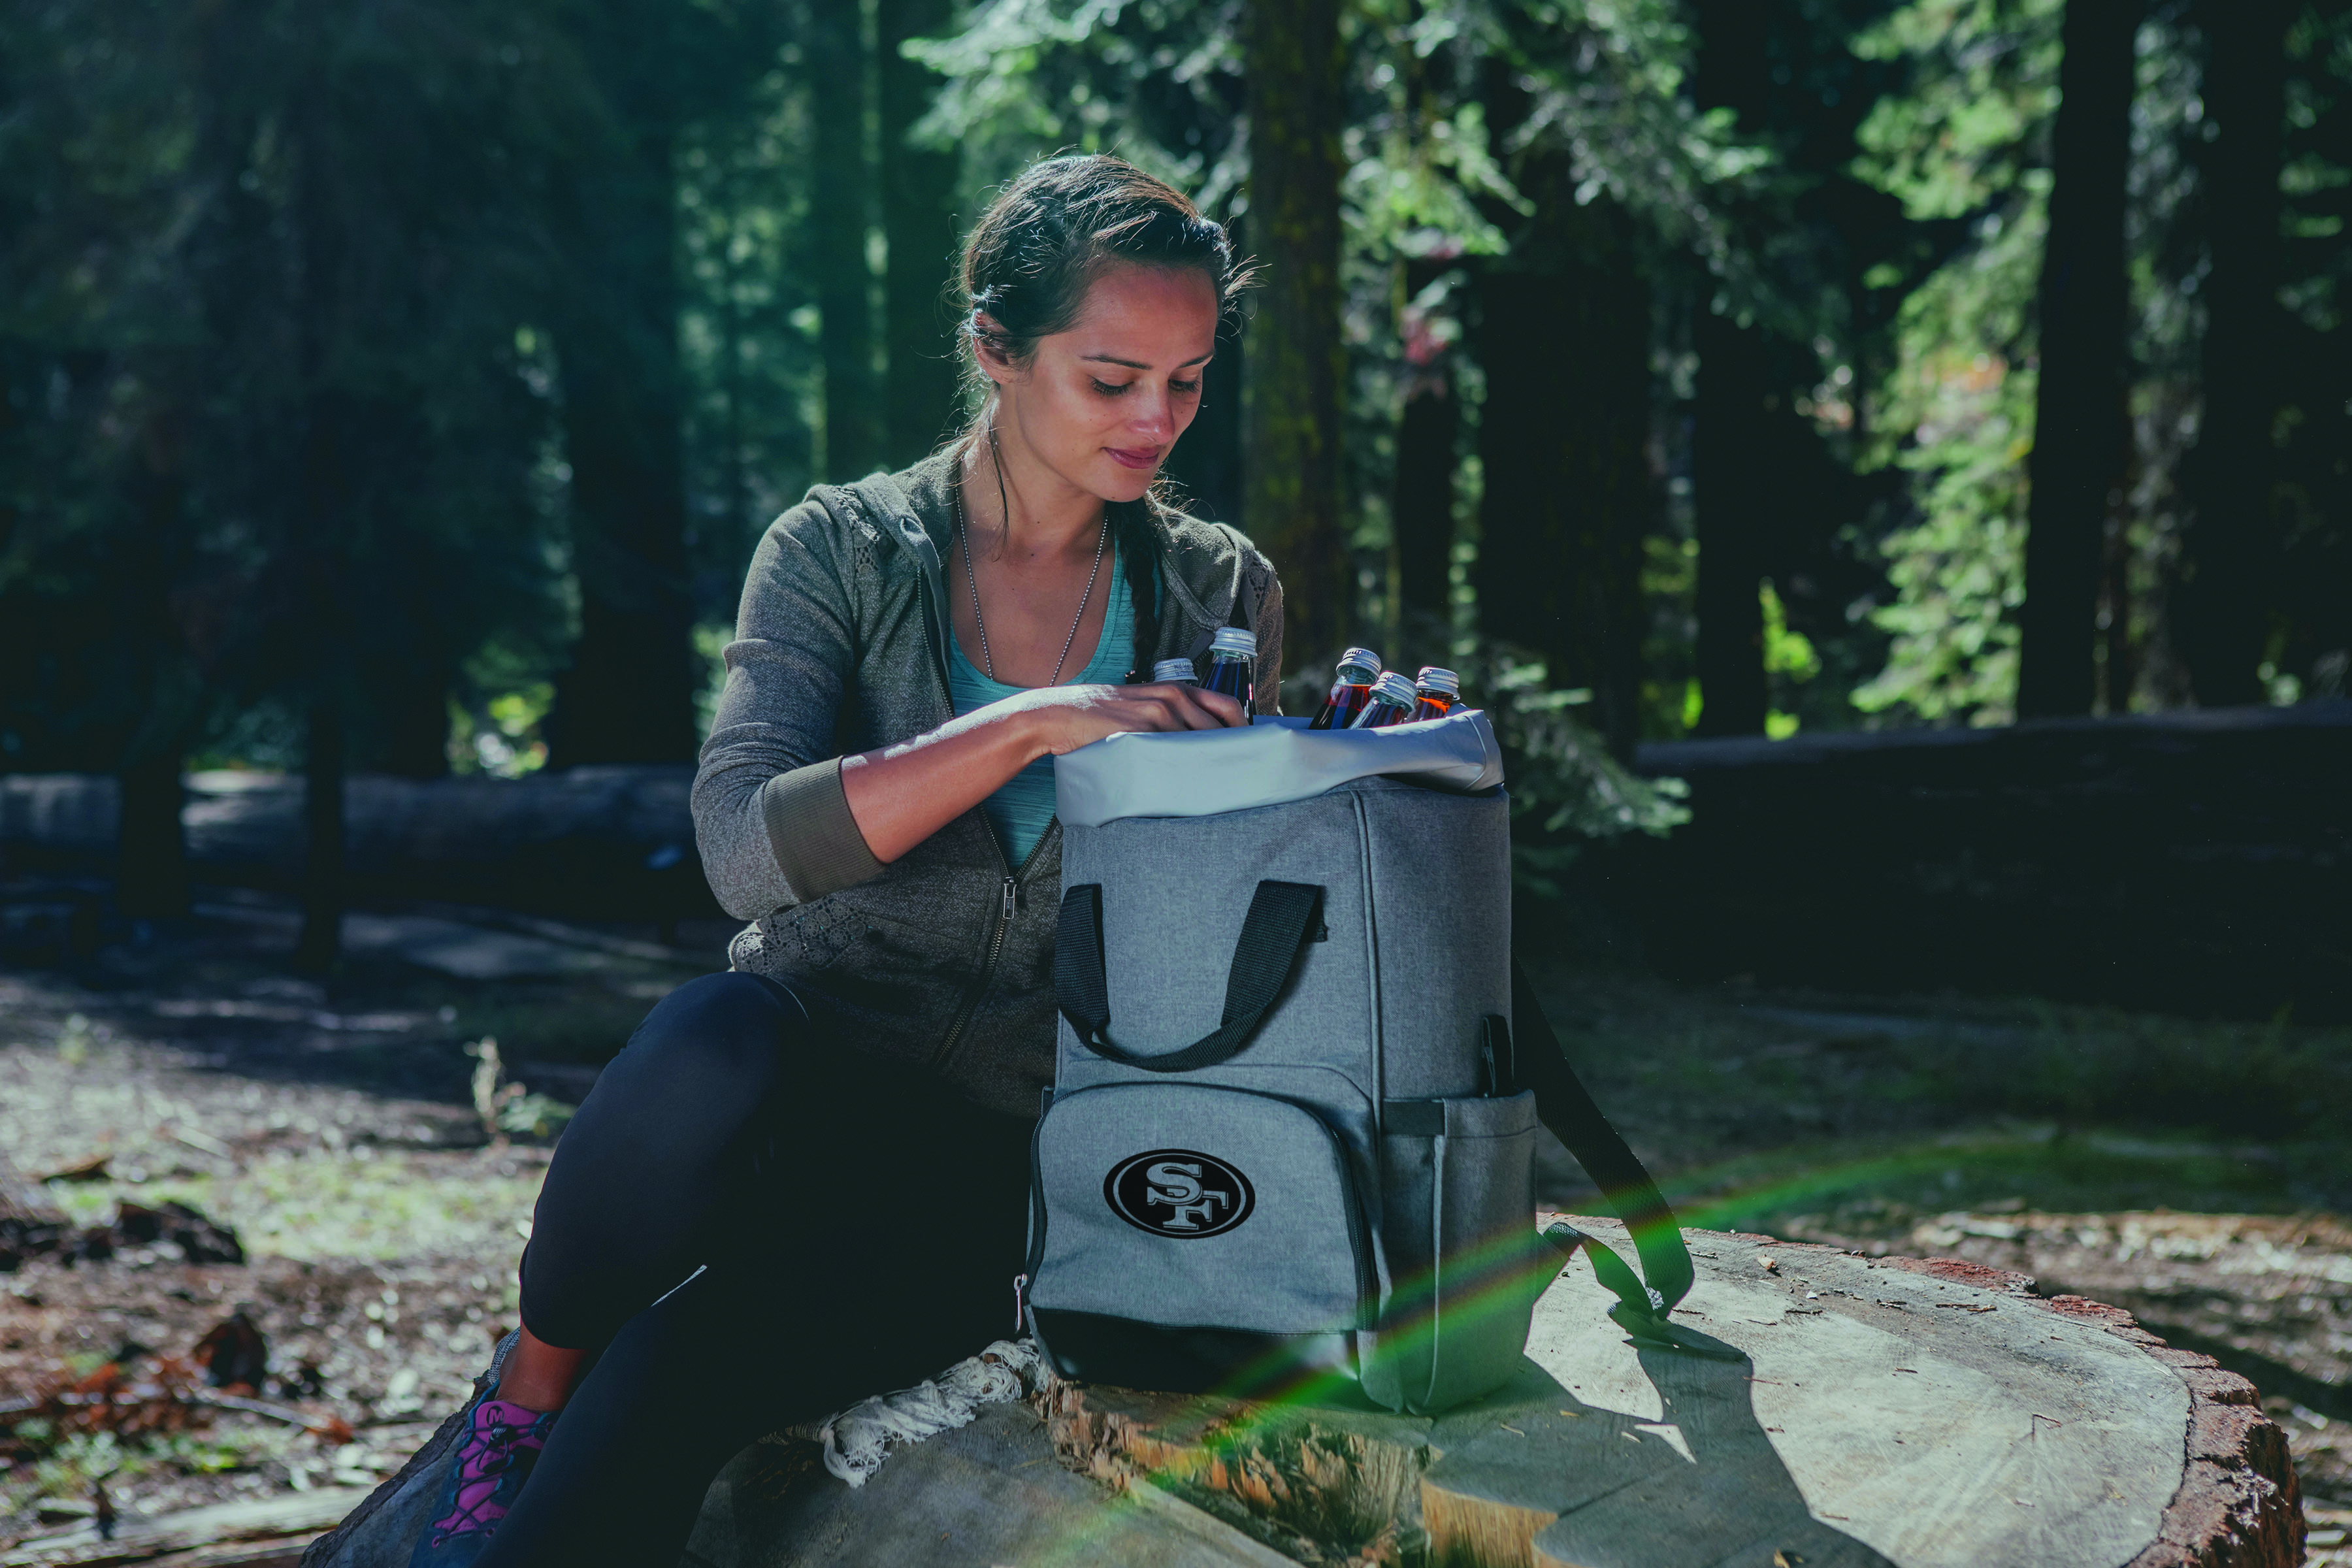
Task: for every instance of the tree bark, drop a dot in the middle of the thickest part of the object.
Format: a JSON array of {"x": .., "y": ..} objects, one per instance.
[
  {"x": 2232, "y": 545},
  {"x": 1608, "y": 494},
  {"x": 321, "y": 941},
  {"x": 1428, "y": 435},
  {"x": 1206, "y": 466},
  {"x": 919, "y": 222},
  {"x": 1564, "y": 443},
  {"x": 629, "y": 694},
  {"x": 151, "y": 878},
  {"x": 2081, "y": 438},
  {"x": 840, "y": 219},
  {"x": 1297, "y": 361},
  {"x": 322, "y": 506},
  {"x": 1730, "y": 464}
]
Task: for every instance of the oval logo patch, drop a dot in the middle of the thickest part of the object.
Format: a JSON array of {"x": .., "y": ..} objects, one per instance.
[{"x": 1179, "y": 1193}]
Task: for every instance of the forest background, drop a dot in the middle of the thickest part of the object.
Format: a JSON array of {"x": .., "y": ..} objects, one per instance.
[{"x": 400, "y": 386}]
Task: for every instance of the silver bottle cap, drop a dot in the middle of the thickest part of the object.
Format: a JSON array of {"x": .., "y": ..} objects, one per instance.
[
  {"x": 1234, "y": 639},
  {"x": 1360, "y": 658},
  {"x": 1437, "y": 679},
  {"x": 1175, "y": 670},
  {"x": 1392, "y": 690}
]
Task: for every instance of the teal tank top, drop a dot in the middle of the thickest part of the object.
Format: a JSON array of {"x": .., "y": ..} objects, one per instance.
[{"x": 1022, "y": 809}]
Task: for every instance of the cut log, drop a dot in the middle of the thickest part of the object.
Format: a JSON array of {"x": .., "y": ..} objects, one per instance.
[
  {"x": 986, "y": 1493},
  {"x": 1887, "y": 1411}
]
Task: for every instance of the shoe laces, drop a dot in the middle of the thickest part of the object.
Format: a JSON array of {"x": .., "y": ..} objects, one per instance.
[{"x": 501, "y": 1431}]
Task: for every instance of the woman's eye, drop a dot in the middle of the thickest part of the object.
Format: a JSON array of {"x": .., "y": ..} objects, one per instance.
[
  {"x": 1108, "y": 390},
  {"x": 1184, "y": 388}
]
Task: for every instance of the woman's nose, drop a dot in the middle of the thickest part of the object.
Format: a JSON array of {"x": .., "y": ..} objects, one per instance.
[{"x": 1154, "y": 415}]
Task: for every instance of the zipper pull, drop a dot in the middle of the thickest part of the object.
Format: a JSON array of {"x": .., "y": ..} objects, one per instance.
[
  {"x": 1020, "y": 1304},
  {"x": 1011, "y": 888}
]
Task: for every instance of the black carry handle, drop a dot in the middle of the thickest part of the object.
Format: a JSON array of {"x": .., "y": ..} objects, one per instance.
[
  {"x": 1565, "y": 1107},
  {"x": 1280, "y": 924}
]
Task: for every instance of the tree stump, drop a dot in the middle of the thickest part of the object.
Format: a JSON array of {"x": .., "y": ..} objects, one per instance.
[{"x": 1887, "y": 1411}]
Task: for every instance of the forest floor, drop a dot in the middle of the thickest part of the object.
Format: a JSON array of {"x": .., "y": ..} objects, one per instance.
[{"x": 344, "y": 1134}]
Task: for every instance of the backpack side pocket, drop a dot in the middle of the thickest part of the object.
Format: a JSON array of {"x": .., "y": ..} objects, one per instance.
[{"x": 1458, "y": 1228}]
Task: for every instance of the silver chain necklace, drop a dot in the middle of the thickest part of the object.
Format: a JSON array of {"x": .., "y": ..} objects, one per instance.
[{"x": 971, "y": 577}]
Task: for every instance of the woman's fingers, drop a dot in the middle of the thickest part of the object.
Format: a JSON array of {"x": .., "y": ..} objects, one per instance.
[
  {"x": 1227, "y": 710},
  {"x": 1184, "y": 707}
]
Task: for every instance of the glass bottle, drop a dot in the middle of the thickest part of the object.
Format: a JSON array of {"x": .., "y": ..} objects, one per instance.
[
  {"x": 1174, "y": 670},
  {"x": 1392, "y": 703},
  {"x": 1351, "y": 688},
  {"x": 1232, "y": 666},
  {"x": 1440, "y": 691}
]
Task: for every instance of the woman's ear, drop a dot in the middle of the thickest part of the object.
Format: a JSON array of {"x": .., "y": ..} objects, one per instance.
[{"x": 987, "y": 349}]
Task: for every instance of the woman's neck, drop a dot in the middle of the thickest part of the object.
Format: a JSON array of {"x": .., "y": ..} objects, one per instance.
[{"x": 1017, "y": 506}]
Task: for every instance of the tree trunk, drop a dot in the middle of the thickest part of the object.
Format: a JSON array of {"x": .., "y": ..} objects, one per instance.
[
  {"x": 151, "y": 878},
  {"x": 1206, "y": 466},
  {"x": 321, "y": 941},
  {"x": 2231, "y": 546},
  {"x": 2082, "y": 439},
  {"x": 919, "y": 220},
  {"x": 839, "y": 222},
  {"x": 1563, "y": 440},
  {"x": 1730, "y": 462},
  {"x": 1524, "y": 332},
  {"x": 1427, "y": 439},
  {"x": 1608, "y": 494},
  {"x": 322, "y": 506},
  {"x": 412, "y": 720},
  {"x": 629, "y": 694},
  {"x": 1297, "y": 361}
]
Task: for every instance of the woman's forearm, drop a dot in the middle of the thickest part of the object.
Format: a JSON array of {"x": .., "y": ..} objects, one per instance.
[{"x": 901, "y": 794}]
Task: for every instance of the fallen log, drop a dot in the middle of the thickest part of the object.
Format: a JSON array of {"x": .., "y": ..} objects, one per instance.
[{"x": 262, "y": 1533}]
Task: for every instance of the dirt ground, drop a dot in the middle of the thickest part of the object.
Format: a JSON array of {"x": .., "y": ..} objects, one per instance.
[{"x": 336, "y": 1129}]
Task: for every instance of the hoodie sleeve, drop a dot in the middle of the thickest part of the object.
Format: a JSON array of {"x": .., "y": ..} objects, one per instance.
[
  {"x": 1267, "y": 687},
  {"x": 770, "y": 816}
]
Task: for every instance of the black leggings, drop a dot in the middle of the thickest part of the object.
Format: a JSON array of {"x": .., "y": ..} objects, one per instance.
[{"x": 754, "y": 1226}]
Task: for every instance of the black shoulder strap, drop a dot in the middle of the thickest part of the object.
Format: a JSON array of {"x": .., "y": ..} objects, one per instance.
[
  {"x": 1280, "y": 924},
  {"x": 1568, "y": 1109}
]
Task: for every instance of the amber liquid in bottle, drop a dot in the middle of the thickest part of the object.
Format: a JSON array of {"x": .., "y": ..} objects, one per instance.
[{"x": 1432, "y": 706}]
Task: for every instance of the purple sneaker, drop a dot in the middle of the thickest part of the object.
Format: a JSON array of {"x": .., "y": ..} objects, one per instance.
[{"x": 493, "y": 1463}]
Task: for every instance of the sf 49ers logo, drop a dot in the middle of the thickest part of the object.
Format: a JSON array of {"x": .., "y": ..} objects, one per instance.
[{"x": 1179, "y": 1193}]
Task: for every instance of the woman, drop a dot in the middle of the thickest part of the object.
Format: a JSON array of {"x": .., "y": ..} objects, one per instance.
[{"x": 805, "y": 1180}]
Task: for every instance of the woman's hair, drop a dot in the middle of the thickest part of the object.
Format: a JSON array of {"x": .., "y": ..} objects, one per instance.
[
  {"x": 1027, "y": 267},
  {"x": 1054, "y": 230}
]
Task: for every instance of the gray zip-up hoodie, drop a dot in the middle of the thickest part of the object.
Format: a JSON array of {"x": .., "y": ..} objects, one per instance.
[{"x": 942, "y": 959}]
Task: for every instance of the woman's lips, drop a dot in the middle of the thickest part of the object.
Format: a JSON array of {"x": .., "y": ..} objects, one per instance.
[{"x": 1134, "y": 457}]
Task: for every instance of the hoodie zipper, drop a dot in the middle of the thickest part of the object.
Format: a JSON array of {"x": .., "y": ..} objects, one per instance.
[
  {"x": 1000, "y": 916},
  {"x": 1010, "y": 886},
  {"x": 1002, "y": 919}
]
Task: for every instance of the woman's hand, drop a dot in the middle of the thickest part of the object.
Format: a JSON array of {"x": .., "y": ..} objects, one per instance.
[
  {"x": 902, "y": 793},
  {"x": 1068, "y": 717}
]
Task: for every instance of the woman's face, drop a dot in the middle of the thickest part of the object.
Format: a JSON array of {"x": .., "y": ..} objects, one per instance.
[{"x": 1100, "y": 405}]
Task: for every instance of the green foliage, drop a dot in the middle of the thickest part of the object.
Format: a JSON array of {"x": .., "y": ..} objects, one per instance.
[
  {"x": 1567, "y": 791},
  {"x": 1967, "y": 144},
  {"x": 1790, "y": 662}
]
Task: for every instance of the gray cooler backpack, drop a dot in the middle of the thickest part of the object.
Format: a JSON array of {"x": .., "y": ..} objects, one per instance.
[{"x": 1289, "y": 1147}]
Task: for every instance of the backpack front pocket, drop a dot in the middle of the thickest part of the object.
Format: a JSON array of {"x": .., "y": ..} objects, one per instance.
[{"x": 1187, "y": 1237}]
